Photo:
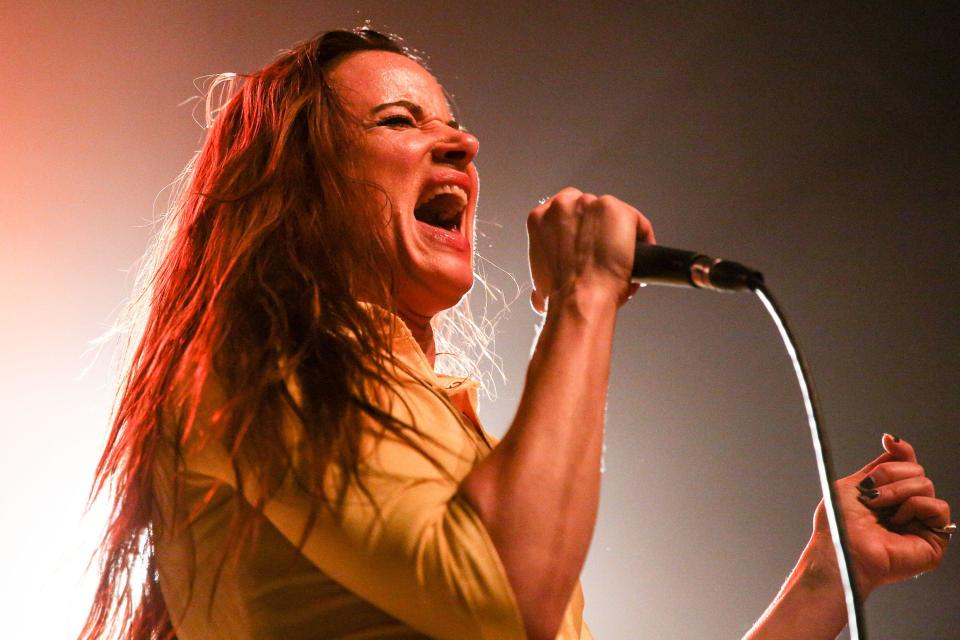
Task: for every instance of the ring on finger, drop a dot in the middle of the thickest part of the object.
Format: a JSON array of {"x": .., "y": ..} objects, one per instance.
[{"x": 947, "y": 530}]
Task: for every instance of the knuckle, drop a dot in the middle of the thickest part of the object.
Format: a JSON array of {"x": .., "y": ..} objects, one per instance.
[
  {"x": 608, "y": 200},
  {"x": 566, "y": 195},
  {"x": 563, "y": 201},
  {"x": 586, "y": 203},
  {"x": 533, "y": 219},
  {"x": 896, "y": 492},
  {"x": 587, "y": 198},
  {"x": 557, "y": 209},
  {"x": 879, "y": 474}
]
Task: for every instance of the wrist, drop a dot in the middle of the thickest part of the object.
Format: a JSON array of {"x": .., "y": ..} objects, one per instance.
[
  {"x": 817, "y": 568},
  {"x": 813, "y": 587},
  {"x": 820, "y": 567},
  {"x": 584, "y": 301}
]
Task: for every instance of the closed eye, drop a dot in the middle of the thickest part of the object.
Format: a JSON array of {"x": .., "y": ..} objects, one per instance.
[{"x": 396, "y": 121}]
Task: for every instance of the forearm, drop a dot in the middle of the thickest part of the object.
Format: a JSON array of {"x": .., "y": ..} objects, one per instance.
[
  {"x": 810, "y": 605},
  {"x": 537, "y": 492}
]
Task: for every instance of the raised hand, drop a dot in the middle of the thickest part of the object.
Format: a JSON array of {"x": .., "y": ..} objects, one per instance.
[
  {"x": 891, "y": 514},
  {"x": 896, "y": 528},
  {"x": 581, "y": 240}
]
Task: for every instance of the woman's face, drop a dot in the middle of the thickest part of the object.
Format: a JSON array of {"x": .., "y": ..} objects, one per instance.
[{"x": 412, "y": 149}]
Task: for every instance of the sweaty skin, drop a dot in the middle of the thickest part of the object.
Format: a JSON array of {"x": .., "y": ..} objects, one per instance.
[
  {"x": 537, "y": 492},
  {"x": 409, "y": 141}
]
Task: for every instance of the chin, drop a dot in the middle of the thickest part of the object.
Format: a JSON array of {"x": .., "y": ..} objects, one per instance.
[
  {"x": 432, "y": 293},
  {"x": 443, "y": 298}
]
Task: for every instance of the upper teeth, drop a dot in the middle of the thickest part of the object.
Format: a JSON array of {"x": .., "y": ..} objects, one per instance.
[{"x": 453, "y": 189}]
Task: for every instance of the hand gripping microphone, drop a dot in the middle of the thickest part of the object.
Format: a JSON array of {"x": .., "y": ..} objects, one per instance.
[{"x": 653, "y": 264}]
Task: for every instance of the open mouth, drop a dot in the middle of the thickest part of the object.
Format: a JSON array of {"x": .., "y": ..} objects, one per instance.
[{"x": 442, "y": 206}]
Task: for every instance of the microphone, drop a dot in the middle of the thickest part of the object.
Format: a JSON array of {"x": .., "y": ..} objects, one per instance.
[{"x": 653, "y": 264}]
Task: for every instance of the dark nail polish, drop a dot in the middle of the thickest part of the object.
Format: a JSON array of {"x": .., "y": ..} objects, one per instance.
[
  {"x": 869, "y": 495},
  {"x": 867, "y": 483},
  {"x": 896, "y": 438}
]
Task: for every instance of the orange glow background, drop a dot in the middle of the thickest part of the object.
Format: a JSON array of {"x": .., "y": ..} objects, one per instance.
[{"x": 816, "y": 144}]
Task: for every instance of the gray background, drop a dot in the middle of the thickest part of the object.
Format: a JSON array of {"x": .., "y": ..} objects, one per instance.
[{"x": 817, "y": 142}]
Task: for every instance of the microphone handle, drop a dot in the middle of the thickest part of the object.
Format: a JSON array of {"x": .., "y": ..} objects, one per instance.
[{"x": 653, "y": 264}]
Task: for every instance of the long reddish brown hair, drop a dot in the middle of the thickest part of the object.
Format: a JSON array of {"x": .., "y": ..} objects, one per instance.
[{"x": 254, "y": 285}]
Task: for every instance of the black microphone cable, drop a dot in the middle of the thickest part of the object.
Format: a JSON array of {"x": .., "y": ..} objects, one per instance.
[
  {"x": 825, "y": 470},
  {"x": 654, "y": 264}
]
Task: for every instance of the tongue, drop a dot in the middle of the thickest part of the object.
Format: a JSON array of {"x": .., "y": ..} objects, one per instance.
[{"x": 439, "y": 211}]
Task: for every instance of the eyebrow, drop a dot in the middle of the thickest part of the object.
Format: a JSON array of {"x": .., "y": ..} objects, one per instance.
[{"x": 412, "y": 107}]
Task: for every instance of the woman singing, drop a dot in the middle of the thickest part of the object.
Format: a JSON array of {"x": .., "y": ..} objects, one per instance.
[{"x": 285, "y": 460}]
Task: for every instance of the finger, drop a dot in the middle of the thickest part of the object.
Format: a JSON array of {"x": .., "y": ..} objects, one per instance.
[
  {"x": 584, "y": 202},
  {"x": 535, "y": 216},
  {"x": 898, "y": 448},
  {"x": 896, "y": 492},
  {"x": 634, "y": 287},
  {"x": 932, "y": 512},
  {"x": 537, "y": 301},
  {"x": 887, "y": 472},
  {"x": 568, "y": 192},
  {"x": 546, "y": 203},
  {"x": 894, "y": 449},
  {"x": 566, "y": 199},
  {"x": 645, "y": 229},
  {"x": 565, "y": 193},
  {"x": 870, "y": 466},
  {"x": 644, "y": 226},
  {"x": 567, "y": 207}
]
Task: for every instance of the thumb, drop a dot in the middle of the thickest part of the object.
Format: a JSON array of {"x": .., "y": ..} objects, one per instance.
[{"x": 537, "y": 301}]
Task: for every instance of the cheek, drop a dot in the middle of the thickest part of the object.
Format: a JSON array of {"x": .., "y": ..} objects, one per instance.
[{"x": 393, "y": 156}]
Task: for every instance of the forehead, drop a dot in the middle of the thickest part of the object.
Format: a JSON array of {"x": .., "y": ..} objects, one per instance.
[{"x": 367, "y": 79}]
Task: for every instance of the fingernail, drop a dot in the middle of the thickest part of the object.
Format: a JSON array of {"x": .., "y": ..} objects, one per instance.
[
  {"x": 867, "y": 483},
  {"x": 895, "y": 438},
  {"x": 869, "y": 494}
]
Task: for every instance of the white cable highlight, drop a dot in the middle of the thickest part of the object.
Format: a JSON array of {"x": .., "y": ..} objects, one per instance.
[{"x": 852, "y": 605}]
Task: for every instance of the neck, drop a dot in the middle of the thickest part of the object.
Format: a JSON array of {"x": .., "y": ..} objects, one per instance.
[{"x": 422, "y": 331}]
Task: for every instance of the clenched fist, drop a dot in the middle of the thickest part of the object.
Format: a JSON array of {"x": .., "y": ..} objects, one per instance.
[{"x": 581, "y": 241}]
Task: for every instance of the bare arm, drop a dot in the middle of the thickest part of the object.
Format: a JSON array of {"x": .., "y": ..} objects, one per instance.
[
  {"x": 537, "y": 492},
  {"x": 810, "y": 604}
]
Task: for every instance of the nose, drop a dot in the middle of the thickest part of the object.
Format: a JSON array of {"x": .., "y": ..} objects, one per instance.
[{"x": 459, "y": 148}]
